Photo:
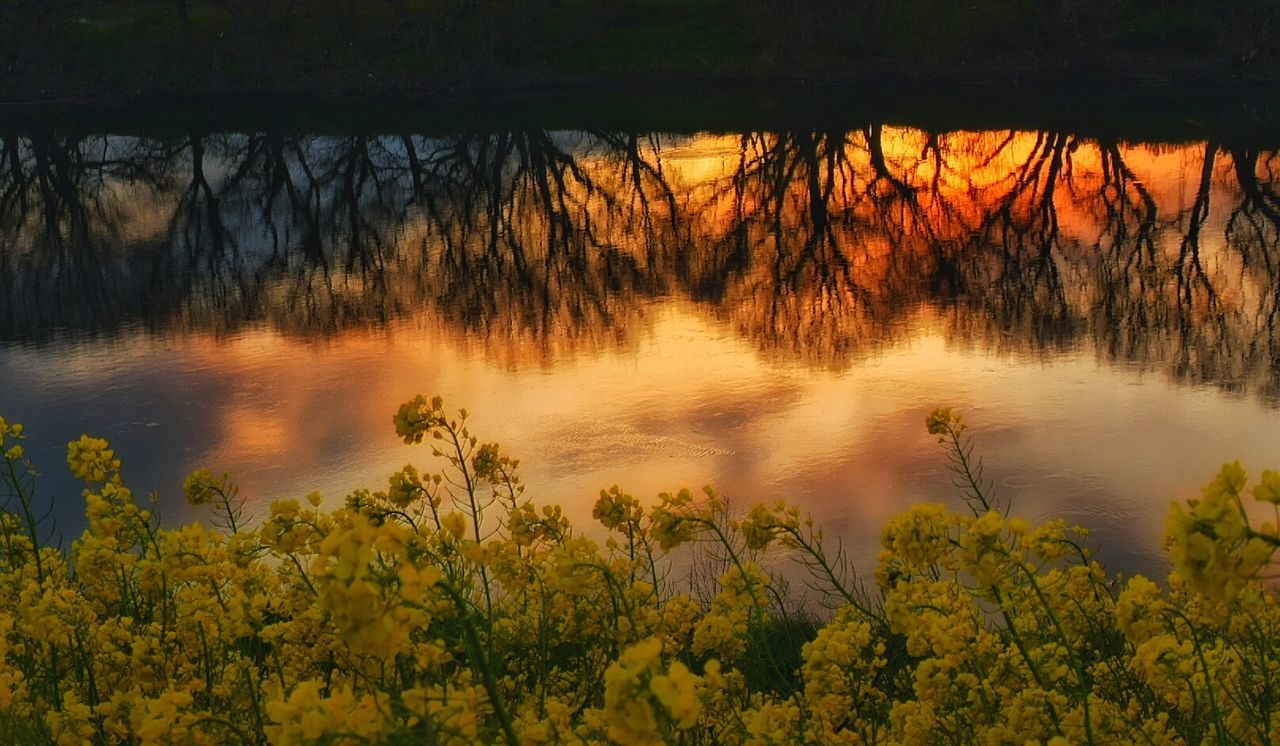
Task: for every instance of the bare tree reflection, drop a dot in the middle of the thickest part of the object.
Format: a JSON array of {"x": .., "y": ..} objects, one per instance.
[{"x": 824, "y": 245}]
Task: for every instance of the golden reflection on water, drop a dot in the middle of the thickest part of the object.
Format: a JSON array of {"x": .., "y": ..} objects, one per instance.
[
  {"x": 694, "y": 403},
  {"x": 770, "y": 313}
]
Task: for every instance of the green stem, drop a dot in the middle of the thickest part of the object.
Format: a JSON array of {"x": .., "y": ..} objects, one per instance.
[
  {"x": 756, "y": 605},
  {"x": 482, "y": 667},
  {"x": 28, "y": 517}
]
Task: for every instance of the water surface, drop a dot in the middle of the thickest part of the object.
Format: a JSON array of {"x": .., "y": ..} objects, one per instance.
[{"x": 771, "y": 312}]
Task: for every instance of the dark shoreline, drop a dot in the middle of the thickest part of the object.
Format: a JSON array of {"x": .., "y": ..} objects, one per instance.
[
  {"x": 1172, "y": 108},
  {"x": 1113, "y": 76}
]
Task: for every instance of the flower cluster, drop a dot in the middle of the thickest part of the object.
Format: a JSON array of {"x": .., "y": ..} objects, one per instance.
[{"x": 450, "y": 608}]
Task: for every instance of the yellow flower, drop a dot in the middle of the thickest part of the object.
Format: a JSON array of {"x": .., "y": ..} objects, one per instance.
[
  {"x": 417, "y": 417},
  {"x": 200, "y": 486},
  {"x": 307, "y": 716},
  {"x": 1212, "y": 545},
  {"x": 917, "y": 540},
  {"x": 628, "y": 711},
  {"x": 983, "y": 550},
  {"x": 945, "y": 423},
  {"x": 723, "y": 629},
  {"x": 676, "y": 690},
  {"x": 1268, "y": 490},
  {"x": 91, "y": 460},
  {"x": 334, "y": 627},
  {"x": 405, "y": 487},
  {"x": 1139, "y": 610},
  {"x": 763, "y": 524},
  {"x": 675, "y": 520},
  {"x": 615, "y": 509},
  {"x": 455, "y": 524}
]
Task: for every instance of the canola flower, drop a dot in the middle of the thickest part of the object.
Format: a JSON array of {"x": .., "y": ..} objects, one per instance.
[{"x": 451, "y": 608}]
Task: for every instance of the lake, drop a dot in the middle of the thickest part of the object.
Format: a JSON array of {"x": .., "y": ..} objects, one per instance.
[{"x": 773, "y": 310}]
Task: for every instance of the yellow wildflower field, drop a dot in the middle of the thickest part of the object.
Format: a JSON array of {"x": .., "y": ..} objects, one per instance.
[{"x": 450, "y": 608}]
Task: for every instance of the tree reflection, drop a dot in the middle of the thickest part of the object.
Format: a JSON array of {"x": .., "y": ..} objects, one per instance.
[{"x": 824, "y": 245}]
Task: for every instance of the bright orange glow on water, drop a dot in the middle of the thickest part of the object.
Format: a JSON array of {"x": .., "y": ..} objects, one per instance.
[{"x": 772, "y": 314}]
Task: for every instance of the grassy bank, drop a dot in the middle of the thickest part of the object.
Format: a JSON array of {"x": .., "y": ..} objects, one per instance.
[
  {"x": 449, "y": 608},
  {"x": 51, "y": 48},
  {"x": 1154, "y": 113}
]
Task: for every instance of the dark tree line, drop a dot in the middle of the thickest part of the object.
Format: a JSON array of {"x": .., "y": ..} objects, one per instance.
[{"x": 317, "y": 45}]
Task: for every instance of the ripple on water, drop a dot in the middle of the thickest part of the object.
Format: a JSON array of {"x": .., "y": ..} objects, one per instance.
[
  {"x": 1097, "y": 516},
  {"x": 590, "y": 444}
]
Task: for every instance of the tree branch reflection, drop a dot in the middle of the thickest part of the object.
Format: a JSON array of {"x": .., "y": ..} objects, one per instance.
[{"x": 824, "y": 245}]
